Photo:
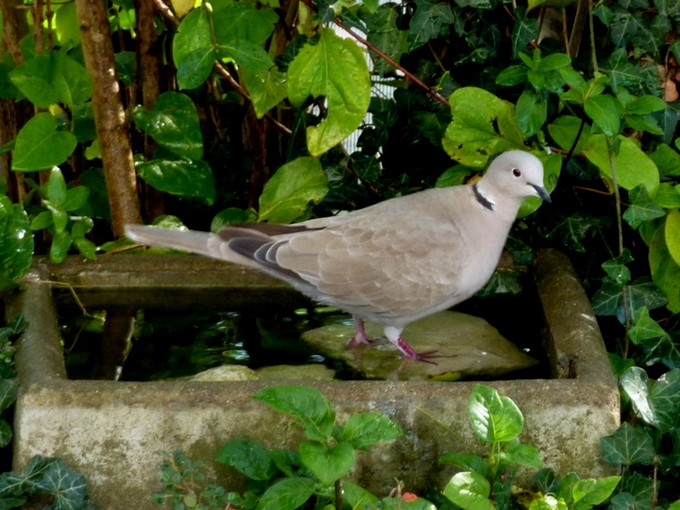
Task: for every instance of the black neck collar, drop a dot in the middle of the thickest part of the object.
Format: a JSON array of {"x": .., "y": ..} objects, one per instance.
[{"x": 485, "y": 202}]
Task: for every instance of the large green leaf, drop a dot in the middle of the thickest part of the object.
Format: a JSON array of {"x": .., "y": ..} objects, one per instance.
[
  {"x": 305, "y": 404},
  {"x": 603, "y": 112},
  {"x": 186, "y": 178},
  {"x": 193, "y": 50},
  {"x": 633, "y": 167},
  {"x": 494, "y": 418},
  {"x": 248, "y": 457},
  {"x": 328, "y": 463},
  {"x": 286, "y": 494},
  {"x": 293, "y": 187},
  {"x": 665, "y": 271},
  {"x": 672, "y": 233},
  {"x": 629, "y": 445},
  {"x": 243, "y": 22},
  {"x": 41, "y": 143},
  {"x": 482, "y": 125},
  {"x": 336, "y": 69},
  {"x": 52, "y": 77},
  {"x": 366, "y": 429},
  {"x": 173, "y": 123},
  {"x": 470, "y": 491},
  {"x": 267, "y": 88}
]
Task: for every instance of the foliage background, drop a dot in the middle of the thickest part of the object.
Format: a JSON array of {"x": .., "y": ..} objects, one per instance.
[{"x": 235, "y": 111}]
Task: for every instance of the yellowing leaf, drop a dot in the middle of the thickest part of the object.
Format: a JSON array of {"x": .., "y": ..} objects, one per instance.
[
  {"x": 336, "y": 69},
  {"x": 482, "y": 125},
  {"x": 633, "y": 166},
  {"x": 672, "y": 232}
]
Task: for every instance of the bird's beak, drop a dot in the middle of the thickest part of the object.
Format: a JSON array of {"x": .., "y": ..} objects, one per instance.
[{"x": 542, "y": 193}]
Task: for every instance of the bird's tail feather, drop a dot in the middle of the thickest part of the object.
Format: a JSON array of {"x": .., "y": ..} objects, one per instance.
[
  {"x": 201, "y": 243},
  {"x": 188, "y": 240}
]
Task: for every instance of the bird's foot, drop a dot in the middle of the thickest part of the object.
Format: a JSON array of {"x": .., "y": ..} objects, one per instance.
[
  {"x": 410, "y": 353},
  {"x": 359, "y": 340}
]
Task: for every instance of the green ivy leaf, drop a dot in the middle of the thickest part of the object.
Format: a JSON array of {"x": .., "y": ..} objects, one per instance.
[
  {"x": 42, "y": 144},
  {"x": 667, "y": 160},
  {"x": 327, "y": 463},
  {"x": 633, "y": 166},
  {"x": 286, "y": 494},
  {"x": 249, "y": 458},
  {"x": 494, "y": 418},
  {"x": 635, "y": 383},
  {"x": 68, "y": 487},
  {"x": 8, "y": 392},
  {"x": 336, "y": 69},
  {"x": 306, "y": 404},
  {"x": 192, "y": 49},
  {"x": 644, "y": 327},
  {"x": 524, "y": 31},
  {"x": 431, "y": 19},
  {"x": 384, "y": 33},
  {"x": 469, "y": 490},
  {"x": 366, "y": 429},
  {"x": 616, "y": 268},
  {"x": 291, "y": 189},
  {"x": 179, "y": 177},
  {"x": 482, "y": 125},
  {"x": 629, "y": 445},
  {"x": 173, "y": 123},
  {"x": 665, "y": 397},
  {"x": 642, "y": 208}
]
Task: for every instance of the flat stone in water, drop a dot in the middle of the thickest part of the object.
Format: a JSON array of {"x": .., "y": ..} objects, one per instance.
[
  {"x": 315, "y": 372},
  {"x": 465, "y": 346}
]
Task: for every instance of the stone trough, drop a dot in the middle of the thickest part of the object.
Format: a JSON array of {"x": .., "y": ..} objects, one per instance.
[{"x": 114, "y": 432}]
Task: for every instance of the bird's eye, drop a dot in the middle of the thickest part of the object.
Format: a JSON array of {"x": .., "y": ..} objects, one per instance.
[{"x": 516, "y": 172}]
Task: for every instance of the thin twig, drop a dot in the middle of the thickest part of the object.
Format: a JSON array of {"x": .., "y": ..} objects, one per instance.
[
  {"x": 165, "y": 11},
  {"x": 409, "y": 75}
]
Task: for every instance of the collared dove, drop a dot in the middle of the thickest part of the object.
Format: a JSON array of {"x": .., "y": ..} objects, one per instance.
[{"x": 391, "y": 263}]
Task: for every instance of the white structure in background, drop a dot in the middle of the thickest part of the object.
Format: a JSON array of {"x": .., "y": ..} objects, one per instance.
[{"x": 381, "y": 90}]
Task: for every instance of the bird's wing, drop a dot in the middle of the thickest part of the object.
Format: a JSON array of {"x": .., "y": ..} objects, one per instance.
[{"x": 394, "y": 261}]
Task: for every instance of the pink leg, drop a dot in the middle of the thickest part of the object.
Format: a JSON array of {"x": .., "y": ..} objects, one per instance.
[
  {"x": 394, "y": 335},
  {"x": 408, "y": 351},
  {"x": 360, "y": 338}
]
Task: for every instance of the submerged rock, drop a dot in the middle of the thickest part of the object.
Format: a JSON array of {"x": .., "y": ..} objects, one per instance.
[
  {"x": 466, "y": 346},
  {"x": 316, "y": 372}
]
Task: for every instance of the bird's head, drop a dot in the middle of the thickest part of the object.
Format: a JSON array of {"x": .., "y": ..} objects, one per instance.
[{"x": 516, "y": 174}]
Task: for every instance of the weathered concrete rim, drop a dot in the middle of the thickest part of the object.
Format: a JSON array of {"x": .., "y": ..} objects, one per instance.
[{"x": 572, "y": 337}]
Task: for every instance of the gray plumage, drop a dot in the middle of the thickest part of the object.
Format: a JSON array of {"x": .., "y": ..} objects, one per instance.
[{"x": 391, "y": 263}]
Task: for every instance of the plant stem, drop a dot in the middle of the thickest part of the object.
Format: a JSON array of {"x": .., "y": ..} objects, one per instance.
[
  {"x": 338, "y": 495},
  {"x": 619, "y": 226}
]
